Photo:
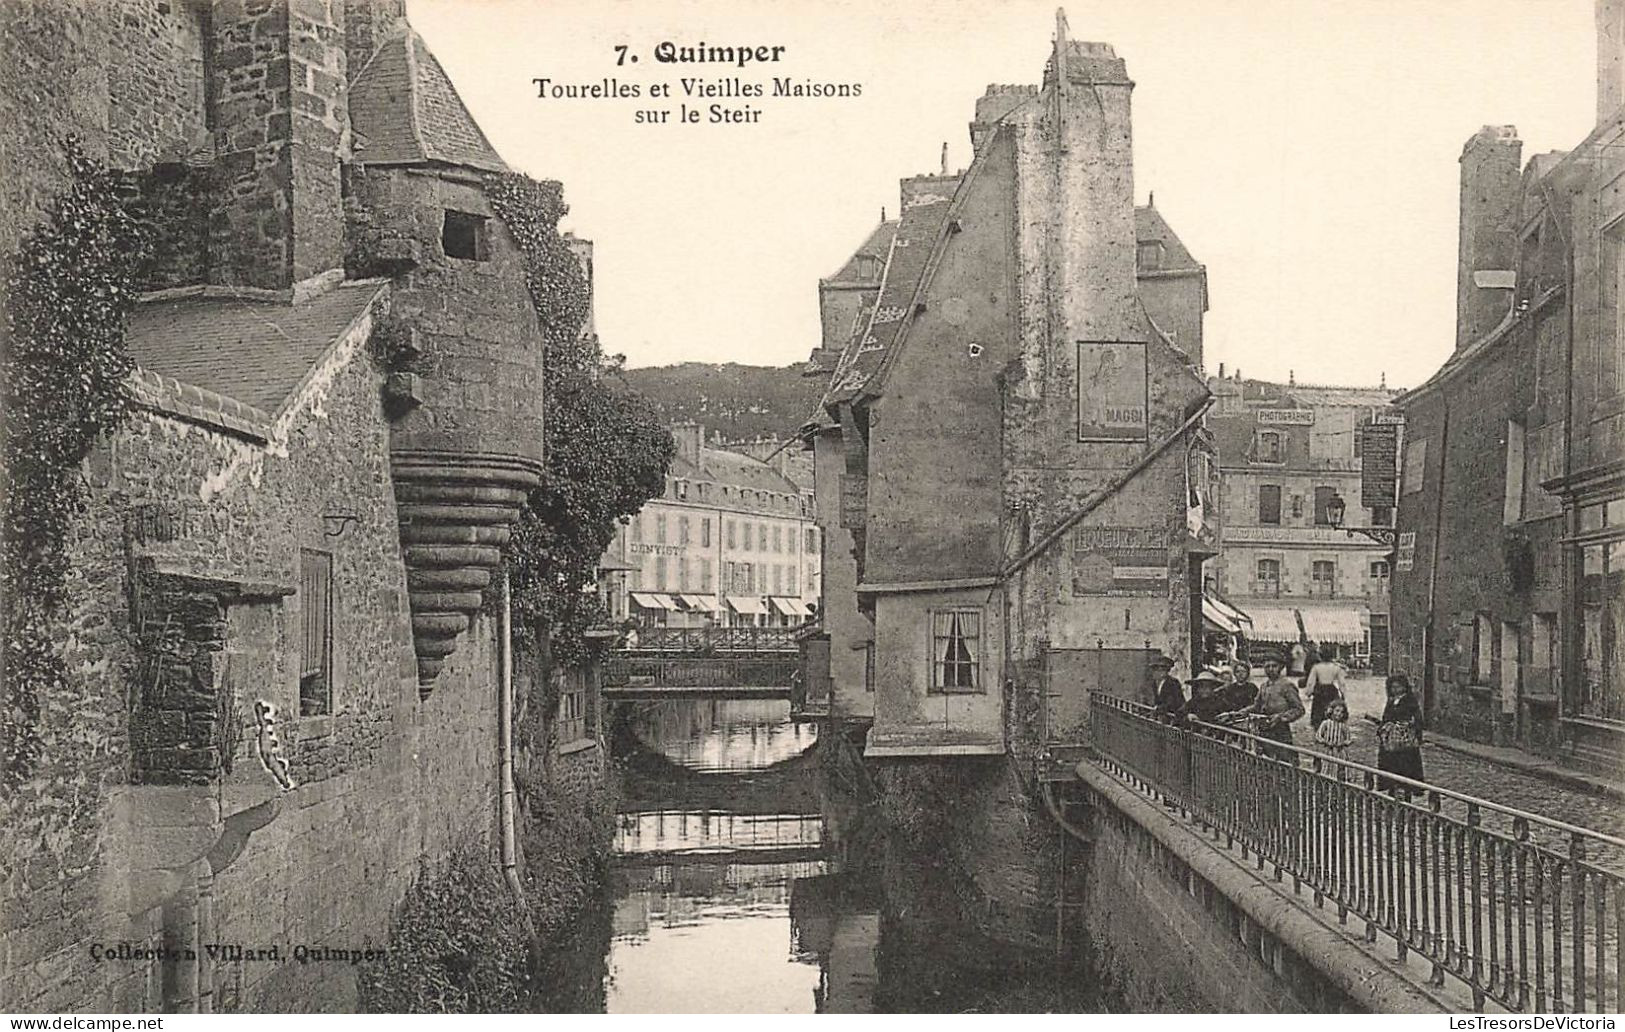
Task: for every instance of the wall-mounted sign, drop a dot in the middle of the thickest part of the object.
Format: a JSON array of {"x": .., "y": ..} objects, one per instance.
[
  {"x": 1405, "y": 551},
  {"x": 1112, "y": 393},
  {"x": 640, "y": 548},
  {"x": 1120, "y": 561},
  {"x": 1286, "y": 417},
  {"x": 1379, "y": 465},
  {"x": 1388, "y": 419}
]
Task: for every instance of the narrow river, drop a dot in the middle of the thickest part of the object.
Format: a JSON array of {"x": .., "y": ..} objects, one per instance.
[{"x": 731, "y": 892}]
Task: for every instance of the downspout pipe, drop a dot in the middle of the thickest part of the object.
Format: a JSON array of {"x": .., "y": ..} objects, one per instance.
[{"x": 506, "y": 796}]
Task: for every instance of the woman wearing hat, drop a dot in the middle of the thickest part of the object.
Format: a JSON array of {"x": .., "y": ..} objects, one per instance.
[{"x": 1206, "y": 701}]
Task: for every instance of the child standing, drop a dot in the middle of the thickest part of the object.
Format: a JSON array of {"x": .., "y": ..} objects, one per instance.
[{"x": 1333, "y": 732}]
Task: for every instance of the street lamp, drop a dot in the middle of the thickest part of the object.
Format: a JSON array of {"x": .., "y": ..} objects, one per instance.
[{"x": 1336, "y": 508}]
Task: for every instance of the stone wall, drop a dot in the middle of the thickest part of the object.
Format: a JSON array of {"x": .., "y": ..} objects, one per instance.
[{"x": 384, "y": 783}]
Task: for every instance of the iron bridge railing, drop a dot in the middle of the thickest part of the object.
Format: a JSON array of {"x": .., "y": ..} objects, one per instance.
[
  {"x": 1522, "y": 909},
  {"x": 761, "y": 671},
  {"x": 722, "y": 639}
]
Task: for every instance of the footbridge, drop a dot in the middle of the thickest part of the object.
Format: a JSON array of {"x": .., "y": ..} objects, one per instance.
[{"x": 1355, "y": 888}]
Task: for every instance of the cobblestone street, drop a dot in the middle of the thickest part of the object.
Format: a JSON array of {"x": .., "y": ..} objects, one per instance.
[{"x": 1470, "y": 775}]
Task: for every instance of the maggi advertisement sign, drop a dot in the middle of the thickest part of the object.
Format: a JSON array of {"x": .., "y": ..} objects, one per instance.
[{"x": 1112, "y": 399}]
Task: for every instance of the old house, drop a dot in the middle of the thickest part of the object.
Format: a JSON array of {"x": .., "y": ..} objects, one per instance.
[
  {"x": 1508, "y": 582},
  {"x": 1015, "y": 483},
  {"x": 285, "y": 696}
]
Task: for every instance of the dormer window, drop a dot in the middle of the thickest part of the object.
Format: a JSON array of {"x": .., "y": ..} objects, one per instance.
[
  {"x": 463, "y": 236},
  {"x": 682, "y": 489},
  {"x": 1149, "y": 255}
]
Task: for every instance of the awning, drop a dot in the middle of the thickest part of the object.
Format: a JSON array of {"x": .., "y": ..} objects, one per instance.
[
  {"x": 783, "y": 606},
  {"x": 1273, "y": 623},
  {"x": 704, "y": 603},
  {"x": 1340, "y": 625},
  {"x": 651, "y": 600},
  {"x": 1222, "y": 617},
  {"x": 799, "y": 607},
  {"x": 610, "y": 563},
  {"x": 747, "y": 606}
]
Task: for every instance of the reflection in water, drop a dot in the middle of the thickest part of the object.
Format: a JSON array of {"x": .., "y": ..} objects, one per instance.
[
  {"x": 728, "y": 895},
  {"x": 724, "y": 735}
]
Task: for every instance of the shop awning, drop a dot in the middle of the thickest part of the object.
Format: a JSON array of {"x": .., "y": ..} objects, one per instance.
[
  {"x": 1341, "y": 625},
  {"x": 704, "y": 603},
  {"x": 747, "y": 606},
  {"x": 799, "y": 607},
  {"x": 652, "y": 600},
  {"x": 1273, "y": 623},
  {"x": 1224, "y": 617}
]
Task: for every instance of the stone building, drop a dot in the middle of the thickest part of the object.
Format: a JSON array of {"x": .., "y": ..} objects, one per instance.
[
  {"x": 1010, "y": 461},
  {"x": 731, "y": 543},
  {"x": 1511, "y": 563},
  {"x": 284, "y": 695},
  {"x": 1290, "y": 467}
]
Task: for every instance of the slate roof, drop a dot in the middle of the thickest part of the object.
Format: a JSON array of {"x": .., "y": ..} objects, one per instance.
[
  {"x": 743, "y": 471},
  {"x": 915, "y": 241},
  {"x": 404, "y": 110},
  {"x": 1149, "y": 225},
  {"x": 876, "y": 246},
  {"x": 257, "y": 352}
]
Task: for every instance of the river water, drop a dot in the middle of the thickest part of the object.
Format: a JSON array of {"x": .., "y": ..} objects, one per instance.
[{"x": 732, "y": 892}]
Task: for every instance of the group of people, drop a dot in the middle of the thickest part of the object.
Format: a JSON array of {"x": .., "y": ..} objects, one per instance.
[{"x": 1228, "y": 696}]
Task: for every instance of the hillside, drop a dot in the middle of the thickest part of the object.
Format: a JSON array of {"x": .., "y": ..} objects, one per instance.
[{"x": 737, "y": 401}]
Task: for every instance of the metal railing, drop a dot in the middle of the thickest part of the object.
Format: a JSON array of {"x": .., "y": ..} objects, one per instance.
[
  {"x": 1522, "y": 909},
  {"x": 700, "y": 671},
  {"x": 720, "y": 639}
]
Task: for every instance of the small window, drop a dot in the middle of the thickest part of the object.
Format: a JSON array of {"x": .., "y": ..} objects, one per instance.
[
  {"x": 812, "y": 540},
  {"x": 1267, "y": 447},
  {"x": 955, "y": 650},
  {"x": 1269, "y": 504},
  {"x": 575, "y": 710},
  {"x": 731, "y": 524},
  {"x": 1379, "y": 569},
  {"x": 1150, "y": 255},
  {"x": 316, "y": 652},
  {"x": 1322, "y": 577},
  {"x": 1269, "y": 576},
  {"x": 463, "y": 236},
  {"x": 682, "y": 489},
  {"x": 682, "y": 530},
  {"x": 705, "y": 533}
]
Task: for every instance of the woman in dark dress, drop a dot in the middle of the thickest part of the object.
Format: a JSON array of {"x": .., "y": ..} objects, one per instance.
[{"x": 1399, "y": 735}]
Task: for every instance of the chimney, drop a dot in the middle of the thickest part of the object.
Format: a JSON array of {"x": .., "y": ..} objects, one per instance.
[
  {"x": 367, "y": 23},
  {"x": 1610, "y": 57},
  {"x": 690, "y": 438},
  {"x": 280, "y": 121},
  {"x": 925, "y": 187},
  {"x": 1491, "y": 186},
  {"x": 1221, "y": 370},
  {"x": 1094, "y": 240},
  {"x": 993, "y": 105}
]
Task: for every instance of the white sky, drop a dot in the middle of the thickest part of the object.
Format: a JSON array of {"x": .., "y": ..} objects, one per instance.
[{"x": 1305, "y": 151}]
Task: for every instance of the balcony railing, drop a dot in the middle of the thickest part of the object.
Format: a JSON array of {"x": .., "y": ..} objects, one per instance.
[{"x": 1523, "y": 910}]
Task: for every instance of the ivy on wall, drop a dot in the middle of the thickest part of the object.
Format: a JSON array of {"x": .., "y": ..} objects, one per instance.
[
  {"x": 606, "y": 449},
  {"x": 69, "y": 293}
]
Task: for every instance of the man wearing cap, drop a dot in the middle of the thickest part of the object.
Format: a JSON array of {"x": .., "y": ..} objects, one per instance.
[
  {"x": 1168, "y": 696},
  {"x": 1206, "y": 702}
]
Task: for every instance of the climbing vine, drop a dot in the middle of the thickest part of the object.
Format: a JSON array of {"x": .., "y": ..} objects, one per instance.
[
  {"x": 606, "y": 447},
  {"x": 69, "y": 292}
]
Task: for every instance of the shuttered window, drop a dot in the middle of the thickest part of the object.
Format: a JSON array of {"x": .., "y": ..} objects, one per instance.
[{"x": 316, "y": 647}]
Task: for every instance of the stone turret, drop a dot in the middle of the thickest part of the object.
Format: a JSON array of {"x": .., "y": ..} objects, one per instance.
[{"x": 466, "y": 443}]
